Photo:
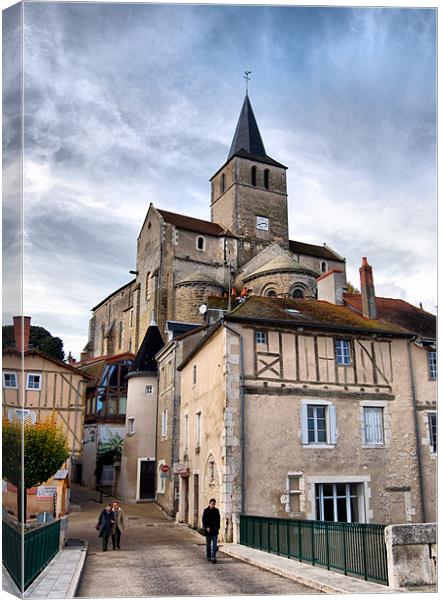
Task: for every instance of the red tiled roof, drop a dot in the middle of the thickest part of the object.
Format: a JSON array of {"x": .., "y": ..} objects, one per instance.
[
  {"x": 313, "y": 250},
  {"x": 197, "y": 225},
  {"x": 315, "y": 313},
  {"x": 399, "y": 312}
]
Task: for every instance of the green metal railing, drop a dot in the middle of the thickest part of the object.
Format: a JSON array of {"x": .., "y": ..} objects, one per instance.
[
  {"x": 353, "y": 548},
  {"x": 40, "y": 546}
]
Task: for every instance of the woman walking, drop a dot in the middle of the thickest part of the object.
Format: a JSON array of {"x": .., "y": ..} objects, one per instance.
[{"x": 106, "y": 521}]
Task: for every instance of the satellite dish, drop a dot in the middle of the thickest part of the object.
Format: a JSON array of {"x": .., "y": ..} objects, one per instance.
[{"x": 202, "y": 309}]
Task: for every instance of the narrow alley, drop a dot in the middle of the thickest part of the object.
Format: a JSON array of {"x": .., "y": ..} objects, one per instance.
[{"x": 161, "y": 558}]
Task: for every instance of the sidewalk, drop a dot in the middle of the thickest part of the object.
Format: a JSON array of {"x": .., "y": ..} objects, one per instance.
[
  {"x": 320, "y": 579},
  {"x": 60, "y": 579}
]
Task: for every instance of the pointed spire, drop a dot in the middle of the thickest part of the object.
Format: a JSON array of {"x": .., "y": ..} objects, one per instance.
[
  {"x": 247, "y": 135},
  {"x": 152, "y": 343}
]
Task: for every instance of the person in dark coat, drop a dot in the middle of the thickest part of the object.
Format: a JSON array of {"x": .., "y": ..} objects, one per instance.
[
  {"x": 118, "y": 526},
  {"x": 211, "y": 525},
  {"x": 106, "y": 521}
]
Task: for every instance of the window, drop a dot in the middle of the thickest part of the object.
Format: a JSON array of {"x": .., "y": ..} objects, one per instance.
[
  {"x": 164, "y": 432},
  {"x": 373, "y": 425},
  {"x": 130, "y": 346},
  {"x": 254, "y": 175},
  {"x": 323, "y": 266},
  {"x": 186, "y": 434},
  {"x": 120, "y": 335},
  {"x": 298, "y": 293},
  {"x": 432, "y": 364},
  {"x": 260, "y": 337},
  {"x": 342, "y": 352},
  {"x": 294, "y": 493},
  {"x": 131, "y": 318},
  {"x": 222, "y": 183},
  {"x": 211, "y": 471},
  {"x": 33, "y": 381},
  {"x": 432, "y": 424},
  {"x": 267, "y": 177},
  {"x": 337, "y": 502},
  {"x": 200, "y": 243},
  {"x": 22, "y": 414},
  {"x": 262, "y": 223},
  {"x": 9, "y": 379},
  {"x": 198, "y": 418},
  {"x": 271, "y": 294},
  {"x": 148, "y": 285},
  {"x": 194, "y": 374},
  {"x": 318, "y": 423},
  {"x": 149, "y": 389},
  {"x": 131, "y": 425}
]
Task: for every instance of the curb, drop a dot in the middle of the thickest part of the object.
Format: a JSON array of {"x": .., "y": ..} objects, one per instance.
[
  {"x": 310, "y": 581},
  {"x": 75, "y": 581}
]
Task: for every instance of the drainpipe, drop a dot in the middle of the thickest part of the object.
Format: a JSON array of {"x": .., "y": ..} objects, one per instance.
[
  {"x": 242, "y": 421},
  {"x": 417, "y": 435}
]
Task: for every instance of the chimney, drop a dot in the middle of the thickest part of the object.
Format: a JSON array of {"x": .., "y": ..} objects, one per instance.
[
  {"x": 71, "y": 359},
  {"x": 22, "y": 329},
  {"x": 330, "y": 286},
  {"x": 83, "y": 356},
  {"x": 368, "y": 307}
]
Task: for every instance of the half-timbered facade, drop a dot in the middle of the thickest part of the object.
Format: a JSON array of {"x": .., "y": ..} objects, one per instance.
[{"x": 308, "y": 409}]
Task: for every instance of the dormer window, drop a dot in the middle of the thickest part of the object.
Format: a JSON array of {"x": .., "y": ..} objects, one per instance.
[
  {"x": 200, "y": 243},
  {"x": 254, "y": 175},
  {"x": 267, "y": 176},
  {"x": 222, "y": 183}
]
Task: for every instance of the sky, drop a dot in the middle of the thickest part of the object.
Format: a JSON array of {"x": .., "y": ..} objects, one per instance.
[{"x": 127, "y": 104}]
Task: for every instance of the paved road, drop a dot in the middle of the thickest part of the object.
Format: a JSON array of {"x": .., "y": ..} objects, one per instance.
[{"x": 161, "y": 558}]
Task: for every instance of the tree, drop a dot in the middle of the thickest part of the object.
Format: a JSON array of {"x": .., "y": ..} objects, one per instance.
[
  {"x": 39, "y": 338},
  {"x": 350, "y": 289},
  {"x": 45, "y": 451}
]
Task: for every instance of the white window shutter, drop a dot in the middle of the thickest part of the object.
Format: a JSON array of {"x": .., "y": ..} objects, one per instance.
[
  {"x": 304, "y": 423},
  {"x": 332, "y": 424}
]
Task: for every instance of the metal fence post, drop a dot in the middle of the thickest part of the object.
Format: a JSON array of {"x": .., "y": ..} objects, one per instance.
[
  {"x": 300, "y": 548},
  {"x": 312, "y": 543},
  {"x": 365, "y": 562},
  {"x": 288, "y": 542},
  {"x": 344, "y": 552},
  {"x": 277, "y": 527},
  {"x": 327, "y": 545},
  {"x": 269, "y": 535}
]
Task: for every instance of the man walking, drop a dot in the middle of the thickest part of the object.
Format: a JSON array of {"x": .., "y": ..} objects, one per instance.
[
  {"x": 118, "y": 526},
  {"x": 211, "y": 525}
]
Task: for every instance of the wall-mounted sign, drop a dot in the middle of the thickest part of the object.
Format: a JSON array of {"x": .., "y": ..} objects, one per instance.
[
  {"x": 46, "y": 491},
  {"x": 180, "y": 469},
  {"x": 164, "y": 468}
]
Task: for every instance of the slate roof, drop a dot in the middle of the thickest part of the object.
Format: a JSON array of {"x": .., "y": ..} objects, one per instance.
[
  {"x": 312, "y": 313},
  {"x": 145, "y": 358},
  {"x": 401, "y": 313},
  {"x": 247, "y": 135},
  {"x": 313, "y": 250},
  {"x": 197, "y": 225}
]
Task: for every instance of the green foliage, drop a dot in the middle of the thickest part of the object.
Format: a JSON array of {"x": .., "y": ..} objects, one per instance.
[
  {"x": 350, "y": 289},
  {"x": 45, "y": 451},
  {"x": 108, "y": 452},
  {"x": 39, "y": 338}
]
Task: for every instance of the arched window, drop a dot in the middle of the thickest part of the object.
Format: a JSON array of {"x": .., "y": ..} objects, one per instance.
[
  {"x": 267, "y": 176},
  {"x": 200, "y": 243},
  {"x": 271, "y": 294},
  {"x": 323, "y": 266},
  {"x": 148, "y": 286},
  {"x": 254, "y": 175},
  {"x": 222, "y": 183},
  {"x": 298, "y": 293}
]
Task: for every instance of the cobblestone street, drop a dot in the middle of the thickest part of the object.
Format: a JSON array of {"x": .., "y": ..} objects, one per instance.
[{"x": 161, "y": 558}]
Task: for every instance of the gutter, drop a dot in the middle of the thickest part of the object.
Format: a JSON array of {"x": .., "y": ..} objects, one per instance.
[
  {"x": 417, "y": 444},
  {"x": 242, "y": 422}
]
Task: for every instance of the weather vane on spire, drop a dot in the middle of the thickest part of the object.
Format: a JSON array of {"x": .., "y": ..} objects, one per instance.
[{"x": 246, "y": 76}]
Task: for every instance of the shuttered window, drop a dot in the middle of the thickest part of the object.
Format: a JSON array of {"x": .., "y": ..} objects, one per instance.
[{"x": 373, "y": 425}]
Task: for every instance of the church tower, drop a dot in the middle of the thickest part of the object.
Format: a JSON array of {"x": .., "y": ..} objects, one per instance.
[{"x": 248, "y": 193}]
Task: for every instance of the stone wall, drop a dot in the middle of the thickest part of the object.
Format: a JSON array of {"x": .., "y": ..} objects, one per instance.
[
  {"x": 283, "y": 284},
  {"x": 412, "y": 555},
  {"x": 189, "y": 297}
]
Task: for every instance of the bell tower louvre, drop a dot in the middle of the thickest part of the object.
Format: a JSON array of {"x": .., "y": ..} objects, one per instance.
[{"x": 248, "y": 193}]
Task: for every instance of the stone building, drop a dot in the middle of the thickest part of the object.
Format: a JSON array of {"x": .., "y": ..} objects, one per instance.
[
  {"x": 182, "y": 260},
  {"x": 313, "y": 409}
]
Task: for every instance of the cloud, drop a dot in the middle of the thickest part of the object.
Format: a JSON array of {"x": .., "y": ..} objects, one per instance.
[{"x": 131, "y": 104}]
